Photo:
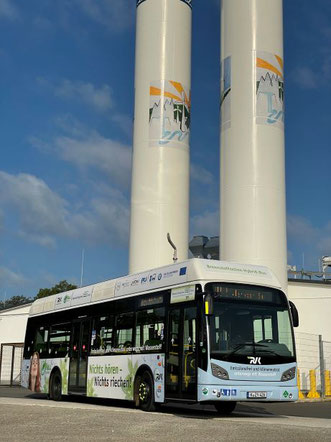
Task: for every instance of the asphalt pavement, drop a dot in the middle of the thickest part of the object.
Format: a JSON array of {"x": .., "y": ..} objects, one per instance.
[{"x": 26, "y": 417}]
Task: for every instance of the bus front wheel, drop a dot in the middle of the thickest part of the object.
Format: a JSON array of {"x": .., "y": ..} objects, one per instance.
[
  {"x": 145, "y": 391},
  {"x": 56, "y": 387},
  {"x": 225, "y": 407}
]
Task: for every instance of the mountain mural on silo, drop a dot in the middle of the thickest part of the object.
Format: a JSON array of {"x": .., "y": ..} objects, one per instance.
[
  {"x": 169, "y": 114},
  {"x": 269, "y": 89}
]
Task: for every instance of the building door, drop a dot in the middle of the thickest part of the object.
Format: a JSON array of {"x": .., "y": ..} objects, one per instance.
[
  {"x": 181, "y": 380},
  {"x": 78, "y": 356}
]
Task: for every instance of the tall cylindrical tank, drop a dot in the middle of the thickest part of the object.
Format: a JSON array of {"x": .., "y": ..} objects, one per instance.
[
  {"x": 160, "y": 167},
  {"x": 253, "y": 215}
]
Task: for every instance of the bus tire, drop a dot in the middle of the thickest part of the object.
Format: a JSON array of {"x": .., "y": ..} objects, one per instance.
[
  {"x": 225, "y": 407},
  {"x": 56, "y": 387},
  {"x": 145, "y": 391}
]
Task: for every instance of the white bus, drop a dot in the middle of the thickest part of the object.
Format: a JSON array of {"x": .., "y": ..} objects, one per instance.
[{"x": 200, "y": 331}]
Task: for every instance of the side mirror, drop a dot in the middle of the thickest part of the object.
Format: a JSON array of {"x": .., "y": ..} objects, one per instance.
[
  {"x": 208, "y": 304},
  {"x": 295, "y": 314}
]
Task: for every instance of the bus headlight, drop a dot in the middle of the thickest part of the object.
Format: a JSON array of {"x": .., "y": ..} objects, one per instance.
[
  {"x": 288, "y": 374},
  {"x": 219, "y": 372}
]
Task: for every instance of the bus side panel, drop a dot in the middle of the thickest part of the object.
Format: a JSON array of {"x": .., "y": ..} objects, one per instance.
[
  {"x": 113, "y": 376},
  {"x": 25, "y": 369},
  {"x": 37, "y": 380}
]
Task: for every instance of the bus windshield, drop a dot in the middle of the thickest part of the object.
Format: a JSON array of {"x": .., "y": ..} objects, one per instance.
[{"x": 250, "y": 322}]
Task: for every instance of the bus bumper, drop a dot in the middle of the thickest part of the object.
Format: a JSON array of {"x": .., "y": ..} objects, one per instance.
[{"x": 266, "y": 393}]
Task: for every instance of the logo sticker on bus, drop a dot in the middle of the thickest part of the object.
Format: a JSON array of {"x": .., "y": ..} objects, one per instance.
[{"x": 254, "y": 360}]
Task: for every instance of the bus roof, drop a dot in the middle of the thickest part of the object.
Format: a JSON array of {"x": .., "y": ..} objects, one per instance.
[{"x": 193, "y": 270}]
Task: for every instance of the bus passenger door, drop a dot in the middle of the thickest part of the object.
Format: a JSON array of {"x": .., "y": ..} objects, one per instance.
[
  {"x": 78, "y": 356},
  {"x": 181, "y": 377}
]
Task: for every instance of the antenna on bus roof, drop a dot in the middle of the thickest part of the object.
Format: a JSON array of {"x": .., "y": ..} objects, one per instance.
[{"x": 174, "y": 247}]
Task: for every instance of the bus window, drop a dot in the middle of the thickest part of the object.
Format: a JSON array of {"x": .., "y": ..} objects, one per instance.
[
  {"x": 262, "y": 328},
  {"x": 150, "y": 330},
  {"x": 59, "y": 340},
  {"x": 102, "y": 335},
  {"x": 40, "y": 342},
  {"x": 124, "y": 331}
]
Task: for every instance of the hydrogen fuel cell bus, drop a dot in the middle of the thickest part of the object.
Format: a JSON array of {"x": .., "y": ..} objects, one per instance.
[{"x": 200, "y": 331}]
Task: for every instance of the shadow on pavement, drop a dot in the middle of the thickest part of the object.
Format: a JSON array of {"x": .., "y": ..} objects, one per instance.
[{"x": 243, "y": 409}]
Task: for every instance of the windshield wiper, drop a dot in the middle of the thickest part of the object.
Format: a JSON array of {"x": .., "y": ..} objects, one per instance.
[
  {"x": 271, "y": 351},
  {"x": 244, "y": 344}
]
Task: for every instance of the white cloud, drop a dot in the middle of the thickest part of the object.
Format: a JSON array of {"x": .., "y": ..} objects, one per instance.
[
  {"x": 41, "y": 212},
  {"x": 42, "y": 23},
  {"x": 98, "y": 98},
  {"x": 8, "y": 10},
  {"x": 313, "y": 241},
  {"x": 124, "y": 122},
  {"x": 109, "y": 156},
  {"x": 201, "y": 175},
  {"x": 115, "y": 15},
  {"x": 205, "y": 224},
  {"x": 9, "y": 278},
  {"x": 106, "y": 222},
  {"x": 88, "y": 150},
  {"x": 301, "y": 229},
  {"x": 42, "y": 216},
  {"x": 305, "y": 77}
]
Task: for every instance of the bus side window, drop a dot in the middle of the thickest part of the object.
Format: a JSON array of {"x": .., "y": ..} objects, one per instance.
[
  {"x": 124, "y": 331},
  {"x": 59, "y": 340},
  {"x": 40, "y": 342},
  {"x": 102, "y": 335},
  {"x": 150, "y": 329}
]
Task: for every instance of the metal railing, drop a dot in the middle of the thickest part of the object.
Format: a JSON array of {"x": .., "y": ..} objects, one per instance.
[{"x": 314, "y": 365}]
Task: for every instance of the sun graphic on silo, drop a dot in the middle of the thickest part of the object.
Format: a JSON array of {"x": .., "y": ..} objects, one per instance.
[{"x": 172, "y": 99}]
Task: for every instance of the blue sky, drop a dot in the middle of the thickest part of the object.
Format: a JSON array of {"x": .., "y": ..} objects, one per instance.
[{"x": 67, "y": 70}]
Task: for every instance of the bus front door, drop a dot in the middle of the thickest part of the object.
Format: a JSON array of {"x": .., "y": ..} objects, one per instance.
[
  {"x": 181, "y": 380},
  {"x": 78, "y": 357}
]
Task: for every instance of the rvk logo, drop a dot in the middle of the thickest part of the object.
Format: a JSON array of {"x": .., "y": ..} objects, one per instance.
[{"x": 254, "y": 360}]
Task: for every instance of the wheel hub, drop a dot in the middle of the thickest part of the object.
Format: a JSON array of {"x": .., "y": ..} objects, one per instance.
[{"x": 143, "y": 392}]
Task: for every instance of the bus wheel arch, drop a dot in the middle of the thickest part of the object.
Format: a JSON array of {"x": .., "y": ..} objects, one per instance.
[
  {"x": 144, "y": 389},
  {"x": 55, "y": 385}
]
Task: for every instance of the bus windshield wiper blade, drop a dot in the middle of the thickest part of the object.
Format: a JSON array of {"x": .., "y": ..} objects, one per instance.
[
  {"x": 266, "y": 350},
  {"x": 244, "y": 344}
]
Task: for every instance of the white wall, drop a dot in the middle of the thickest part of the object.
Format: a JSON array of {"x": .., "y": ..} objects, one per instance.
[
  {"x": 313, "y": 301},
  {"x": 13, "y": 324},
  {"x": 12, "y": 331}
]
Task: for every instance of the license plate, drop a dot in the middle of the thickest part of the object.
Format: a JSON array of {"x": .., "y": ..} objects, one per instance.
[{"x": 256, "y": 395}]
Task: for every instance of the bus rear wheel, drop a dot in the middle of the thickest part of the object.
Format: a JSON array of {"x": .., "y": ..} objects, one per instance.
[
  {"x": 145, "y": 391},
  {"x": 56, "y": 387},
  {"x": 225, "y": 407}
]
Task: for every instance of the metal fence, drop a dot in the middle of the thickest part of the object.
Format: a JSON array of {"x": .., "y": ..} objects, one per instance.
[
  {"x": 10, "y": 364},
  {"x": 314, "y": 365}
]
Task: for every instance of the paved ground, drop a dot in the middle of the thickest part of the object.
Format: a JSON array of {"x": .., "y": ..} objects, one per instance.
[{"x": 26, "y": 417}]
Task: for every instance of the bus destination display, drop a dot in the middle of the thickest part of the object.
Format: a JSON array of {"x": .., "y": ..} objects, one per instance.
[{"x": 243, "y": 294}]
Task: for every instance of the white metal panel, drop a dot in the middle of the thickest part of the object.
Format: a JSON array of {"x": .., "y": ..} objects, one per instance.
[
  {"x": 313, "y": 302},
  {"x": 160, "y": 172},
  {"x": 253, "y": 221}
]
